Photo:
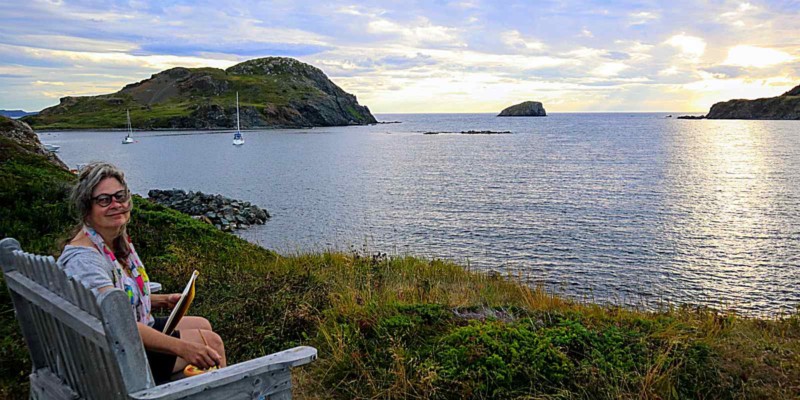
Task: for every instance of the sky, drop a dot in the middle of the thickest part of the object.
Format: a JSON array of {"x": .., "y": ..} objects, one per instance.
[{"x": 419, "y": 56}]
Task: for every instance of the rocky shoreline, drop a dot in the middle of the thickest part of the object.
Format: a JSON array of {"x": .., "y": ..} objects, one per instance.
[
  {"x": 224, "y": 213},
  {"x": 469, "y": 132}
]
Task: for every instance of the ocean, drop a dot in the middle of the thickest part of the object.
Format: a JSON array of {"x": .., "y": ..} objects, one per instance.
[{"x": 625, "y": 208}]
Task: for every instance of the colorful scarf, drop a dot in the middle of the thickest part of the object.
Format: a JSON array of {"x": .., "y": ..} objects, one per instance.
[{"x": 140, "y": 308}]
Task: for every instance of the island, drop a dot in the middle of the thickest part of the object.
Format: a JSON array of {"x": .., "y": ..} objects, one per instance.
[
  {"x": 275, "y": 92},
  {"x": 524, "y": 109},
  {"x": 783, "y": 107}
]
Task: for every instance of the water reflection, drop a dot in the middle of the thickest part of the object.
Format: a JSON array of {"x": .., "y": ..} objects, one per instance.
[{"x": 726, "y": 194}]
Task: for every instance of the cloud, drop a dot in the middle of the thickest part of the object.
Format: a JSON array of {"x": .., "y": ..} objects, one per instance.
[
  {"x": 243, "y": 49},
  {"x": 691, "y": 47},
  {"x": 516, "y": 40},
  {"x": 419, "y": 31},
  {"x": 401, "y": 56},
  {"x": 642, "y": 17},
  {"x": 726, "y": 72},
  {"x": 758, "y": 57},
  {"x": 609, "y": 69}
]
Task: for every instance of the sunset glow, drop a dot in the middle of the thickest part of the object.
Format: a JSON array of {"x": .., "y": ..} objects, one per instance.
[{"x": 476, "y": 56}]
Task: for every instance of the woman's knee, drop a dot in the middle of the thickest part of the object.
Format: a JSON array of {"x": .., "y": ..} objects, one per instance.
[
  {"x": 214, "y": 340},
  {"x": 191, "y": 322}
]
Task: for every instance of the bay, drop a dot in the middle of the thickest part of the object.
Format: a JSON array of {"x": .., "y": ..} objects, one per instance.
[{"x": 623, "y": 208}]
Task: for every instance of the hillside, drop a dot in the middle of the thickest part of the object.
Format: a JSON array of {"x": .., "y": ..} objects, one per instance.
[
  {"x": 273, "y": 92},
  {"x": 785, "y": 106},
  {"x": 16, "y": 113},
  {"x": 400, "y": 327}
]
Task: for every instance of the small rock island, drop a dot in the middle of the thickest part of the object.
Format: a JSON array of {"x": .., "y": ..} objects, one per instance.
[{"x": 524, "y": 109}]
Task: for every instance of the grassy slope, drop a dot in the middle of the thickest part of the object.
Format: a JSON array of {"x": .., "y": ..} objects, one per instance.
[
  {"x": 254, "y": 90},
  {"x": 385, "y": 326}
]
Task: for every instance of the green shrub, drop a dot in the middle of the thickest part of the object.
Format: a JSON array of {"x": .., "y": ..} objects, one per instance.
[{"x": 495, "y": 359}]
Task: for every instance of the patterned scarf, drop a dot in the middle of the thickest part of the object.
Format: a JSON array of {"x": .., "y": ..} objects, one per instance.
[{"x": 141, "y": 308}]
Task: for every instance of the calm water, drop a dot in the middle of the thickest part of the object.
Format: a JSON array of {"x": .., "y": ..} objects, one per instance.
[{"x": 627, "y": 208}]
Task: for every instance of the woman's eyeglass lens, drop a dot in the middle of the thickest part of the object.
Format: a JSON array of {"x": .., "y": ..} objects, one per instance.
[{"x": 104, "y": 200}]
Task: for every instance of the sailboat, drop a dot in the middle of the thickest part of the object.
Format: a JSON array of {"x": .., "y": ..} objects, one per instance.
[
  {"x": 128, "y": 139},
  {"x": 238, "y": 140}
]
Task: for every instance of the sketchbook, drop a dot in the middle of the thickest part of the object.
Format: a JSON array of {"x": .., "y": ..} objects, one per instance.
[{"x": 182, "y": 306}]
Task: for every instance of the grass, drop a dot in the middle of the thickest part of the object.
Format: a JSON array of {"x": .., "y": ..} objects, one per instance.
[{"x": 405, "y": 327}]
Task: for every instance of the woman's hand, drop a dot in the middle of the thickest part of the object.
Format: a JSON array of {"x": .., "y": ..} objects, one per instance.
[
  {"x": 172, "y": 299},
  {"x": 165, "y": 300},
  {"x": 199, "y": 355}
]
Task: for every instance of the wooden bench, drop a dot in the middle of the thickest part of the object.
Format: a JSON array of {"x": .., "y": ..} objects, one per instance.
[{"x": 87, "y": 347}]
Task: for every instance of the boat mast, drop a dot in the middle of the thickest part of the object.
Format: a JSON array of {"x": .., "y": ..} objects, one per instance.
[
  {"x": 237, "y": 111},
  {"x": 130, "y": 130}
]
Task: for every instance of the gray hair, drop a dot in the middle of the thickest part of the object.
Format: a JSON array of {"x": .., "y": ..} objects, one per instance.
[{"x": 90, "y": 176}]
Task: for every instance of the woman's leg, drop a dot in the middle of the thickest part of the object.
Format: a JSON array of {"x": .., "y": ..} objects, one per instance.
[
  {"x": 198, "y": 330},
  {"x": 194, "y": 323}
]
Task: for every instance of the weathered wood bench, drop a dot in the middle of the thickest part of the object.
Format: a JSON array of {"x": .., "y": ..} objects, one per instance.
[{"x": 87, "y": 347}]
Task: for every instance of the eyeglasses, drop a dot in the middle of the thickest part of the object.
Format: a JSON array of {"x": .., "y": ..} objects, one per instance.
[{"x": 104, "y": 200}]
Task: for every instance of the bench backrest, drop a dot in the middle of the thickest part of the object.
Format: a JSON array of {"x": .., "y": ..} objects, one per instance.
[{"x": 81, "y": 345}]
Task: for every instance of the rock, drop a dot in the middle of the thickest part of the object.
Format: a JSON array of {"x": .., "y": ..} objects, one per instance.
[
  {"x": 222, "y": 212},
  {"x": 22, "y": 135},
  {"x": 524, "y": 109},
  {"x": 785, "y": 106},
  {"x": 484, "y": 132},
  {"x": 692, "y": 117}
]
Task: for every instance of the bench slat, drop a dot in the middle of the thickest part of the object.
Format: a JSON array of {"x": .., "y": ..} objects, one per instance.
[
  {"x": 46, "y": 385},
  {"x": 70, "y": 315}
]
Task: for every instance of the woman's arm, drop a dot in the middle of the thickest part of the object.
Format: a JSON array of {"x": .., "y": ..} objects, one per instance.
[
  {"x": 164, "y": 300},
  {"x": 197, "y": 354}
]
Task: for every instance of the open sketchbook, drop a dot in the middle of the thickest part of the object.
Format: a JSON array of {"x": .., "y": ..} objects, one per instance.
[{"x": 182, "y": 306}]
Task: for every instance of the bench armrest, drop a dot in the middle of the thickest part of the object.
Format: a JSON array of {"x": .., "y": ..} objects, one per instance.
[{"x": 226, "y": 379}]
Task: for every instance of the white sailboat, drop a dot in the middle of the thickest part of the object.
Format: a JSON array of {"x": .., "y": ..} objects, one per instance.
[
  {"x": 128, "y": 139},
  {"x": 238, "y": 140},
  {"x": 53, "y": 148}
]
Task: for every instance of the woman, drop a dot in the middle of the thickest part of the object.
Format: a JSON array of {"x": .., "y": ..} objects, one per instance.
[{"x": 102, "y": 257}]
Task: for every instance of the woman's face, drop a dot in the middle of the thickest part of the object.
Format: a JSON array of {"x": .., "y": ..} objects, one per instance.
[{"x": 114, "y": 215}]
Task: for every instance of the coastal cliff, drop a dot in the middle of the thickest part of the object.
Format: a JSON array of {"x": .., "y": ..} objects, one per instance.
[
  {"x": 524, "y": 109},
  {"x": 22, "y": 137},
  {"x": 273, "y": 92},
  {"x": 785, "y": 106}
]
